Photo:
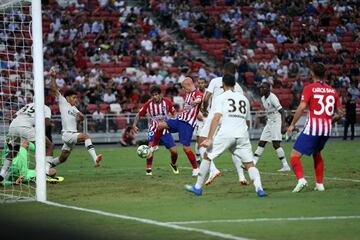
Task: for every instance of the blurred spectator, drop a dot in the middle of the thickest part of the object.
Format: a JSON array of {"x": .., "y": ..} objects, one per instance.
[{"x": 350, "y": 116}]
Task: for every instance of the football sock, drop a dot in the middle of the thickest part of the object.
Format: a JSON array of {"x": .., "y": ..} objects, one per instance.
[
  {"x": 91, "y": 149},
  {"x": 319, "y": 167},
  {"x": 281, "y": 154},
  {"x": 174, "y": 157},
  {"x": 157, "y": 136},
  {"x": 149, "y": 162},
  {"x": 202, "y": 151},
  {"x": 203, "y": 171},
  {"x": 258, "y": 153},
  {"x": 54, "y": 161},
  {"x": 255, "y": 177},
  {"x": 190, "y": 155},
  {"x": 48, "y": 163},
  {"x": 237, "y": 162},
  {"x": 5, "y": 167},
  {"x": 297, "y": 166},
  {"x": 213, "y": 167},
  {"x": 197, "y": 152}
]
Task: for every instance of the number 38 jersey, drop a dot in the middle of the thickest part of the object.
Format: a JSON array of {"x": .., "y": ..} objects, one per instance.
[
  {"x": 235, "y": 110},
  {"x": 322, "y": 101}
]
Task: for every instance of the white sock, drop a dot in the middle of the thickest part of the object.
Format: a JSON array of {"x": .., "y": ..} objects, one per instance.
[
  {"x": 203, "y": 171},
  {"x": 47, "y": 164},
  {"x": 197, "y": 152},
  {"x": 5, "y": 168},
  {"x": 259, "y": 151},
  {"x": 281, "y": 154},
  {"x": 202, "y": 151},
  {"x": 54, "y": 161},
  {"x": 237, "y": 162},
  {"x": 213, "y": 168},
  {"x": 255, "y": 177},
  {"x": 91, "y": 149}
]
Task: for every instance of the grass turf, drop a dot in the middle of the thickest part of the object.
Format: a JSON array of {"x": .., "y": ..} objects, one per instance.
[{"x": 121, "y": 187}]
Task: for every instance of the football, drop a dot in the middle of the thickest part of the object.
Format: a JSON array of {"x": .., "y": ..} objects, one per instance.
[{"x": 143, "y": 151}]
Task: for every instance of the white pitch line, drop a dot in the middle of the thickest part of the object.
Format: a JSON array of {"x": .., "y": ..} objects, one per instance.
[
  {"x": 268, "y": 220},
  {"x": 148, "y": 221}
]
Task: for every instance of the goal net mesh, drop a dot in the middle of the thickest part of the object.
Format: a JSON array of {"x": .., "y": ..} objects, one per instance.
[{"x": 16, "y": 89}]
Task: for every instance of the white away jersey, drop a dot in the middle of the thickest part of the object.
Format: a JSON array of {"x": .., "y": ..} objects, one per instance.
[
  {"x": 272, "y": 106},
  {"x": 235, "y": 110},
  {"x": 216, "y": 88},
  {"x": 68, "y": 115},
  {"x": 25, "y": 117}
]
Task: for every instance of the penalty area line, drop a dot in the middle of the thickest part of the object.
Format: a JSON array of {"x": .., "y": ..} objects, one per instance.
[
  {"x": 147, "y": 221},
  {"x": 268, "y": 220}
]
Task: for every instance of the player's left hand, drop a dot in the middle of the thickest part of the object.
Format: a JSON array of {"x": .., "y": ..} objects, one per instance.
[
  {"x": 283, "y": 129},
  {"x": 290, "y": 129},
  {"x": 206, "y": 143}
]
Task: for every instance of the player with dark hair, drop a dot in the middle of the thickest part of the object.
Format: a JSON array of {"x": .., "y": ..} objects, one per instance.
[
  {"x": 159, "y": 109},
  {"x": 322, "y": 102},
  {"x": 185, "y": 123},
  {"x": 202, "y": 84},
  {"x": 215, "y": 89},
  {"x": 233, "y": 110},
  {"x": 275, "y": 126},
  {"x": 70, "y": 115}
]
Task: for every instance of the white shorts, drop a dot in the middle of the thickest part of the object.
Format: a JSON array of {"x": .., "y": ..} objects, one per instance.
[
  {"x": 23, "y": 132},
  {"x": 206, "y": 128},
  {"x": 198, "y": 128},
  {"x": 240, "y": 147},
  {"x": 69, "y": 139},
  {"x": 271, "y": 132}
]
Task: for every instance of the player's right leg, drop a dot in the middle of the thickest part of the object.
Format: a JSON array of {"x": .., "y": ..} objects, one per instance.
[
  {"x": 264, "y": 138},
  {"x": 83, "y": 137}
]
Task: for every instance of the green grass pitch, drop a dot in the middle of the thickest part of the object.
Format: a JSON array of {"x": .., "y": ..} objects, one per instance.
[{"x": 120, "y": 187}]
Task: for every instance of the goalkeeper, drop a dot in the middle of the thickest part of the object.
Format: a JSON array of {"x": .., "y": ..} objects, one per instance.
[{"x": 19, "y": 171}]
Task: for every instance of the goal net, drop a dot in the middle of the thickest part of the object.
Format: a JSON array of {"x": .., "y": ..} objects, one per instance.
[{"x": 16, "y": 90}]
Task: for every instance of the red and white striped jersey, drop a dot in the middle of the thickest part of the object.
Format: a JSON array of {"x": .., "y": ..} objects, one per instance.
[
  {"x": 157, "y": 111},
  {"x": 322, "y": 101},
  {"x": 190, "y": 112}
]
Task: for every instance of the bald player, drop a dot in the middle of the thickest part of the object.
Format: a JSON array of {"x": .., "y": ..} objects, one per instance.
[{"x": 185, "y": 122}]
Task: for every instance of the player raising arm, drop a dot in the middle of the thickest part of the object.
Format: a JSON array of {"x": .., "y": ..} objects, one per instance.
[
  {"x": 322, "y": 102},
  {"x": 159, "y": 109},
  {"x": 233, "y": 110},
  {"x": 70, "y": 115}
]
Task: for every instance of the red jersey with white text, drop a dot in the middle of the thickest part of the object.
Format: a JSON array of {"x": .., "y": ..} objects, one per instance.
[
  {"x": 190, "y": 112},
  {"x": 157, "y": 111},
  {"x": 322, "y": 101}
]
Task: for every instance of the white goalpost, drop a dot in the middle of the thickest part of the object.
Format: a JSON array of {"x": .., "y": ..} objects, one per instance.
[{"x": 21, "y": 82}]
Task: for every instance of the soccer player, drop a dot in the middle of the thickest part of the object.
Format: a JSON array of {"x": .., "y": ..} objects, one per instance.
[
  {"x": 70, "y": 115},
  {"x": 22, "y": 129},
  {"x": 159, "y": 109},
  {"x": 214, "y": 89},
  {"x": 321, "y": 101},
  {"x": 184, "y": 124},
  {"x": 201, "y": 117},
  {"x": 233, "y": 110},
  {"x": 275, "y": 126}
]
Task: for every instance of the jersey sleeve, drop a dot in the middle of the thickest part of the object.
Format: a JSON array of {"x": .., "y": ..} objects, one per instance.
[
  {"x": 306, "y": 95},
  {"x": 170, "y": 105},
  {"x": 47, "y": 112},
  {"x": 143, "y": 109},
  {"x": 198, "y": 95},
  {"x": 275, "y": 102},
  {"x": 248, "y": 113},
  {"x": 337, "y": 101},
  {"x": 211, "y": 86}
]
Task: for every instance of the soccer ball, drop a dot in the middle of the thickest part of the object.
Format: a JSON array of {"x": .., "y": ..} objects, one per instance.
[{"x": 143, "y": 151}]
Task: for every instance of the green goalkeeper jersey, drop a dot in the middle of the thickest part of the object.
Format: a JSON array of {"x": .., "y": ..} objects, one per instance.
[{"x": 19, "y": 166}]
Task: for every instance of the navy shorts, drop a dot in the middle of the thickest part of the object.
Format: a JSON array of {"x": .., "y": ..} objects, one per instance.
[
  {"x": 307, "y": 144},
  {"x": 166, "y": 139},
  {"x": 184, "y": 129}
]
